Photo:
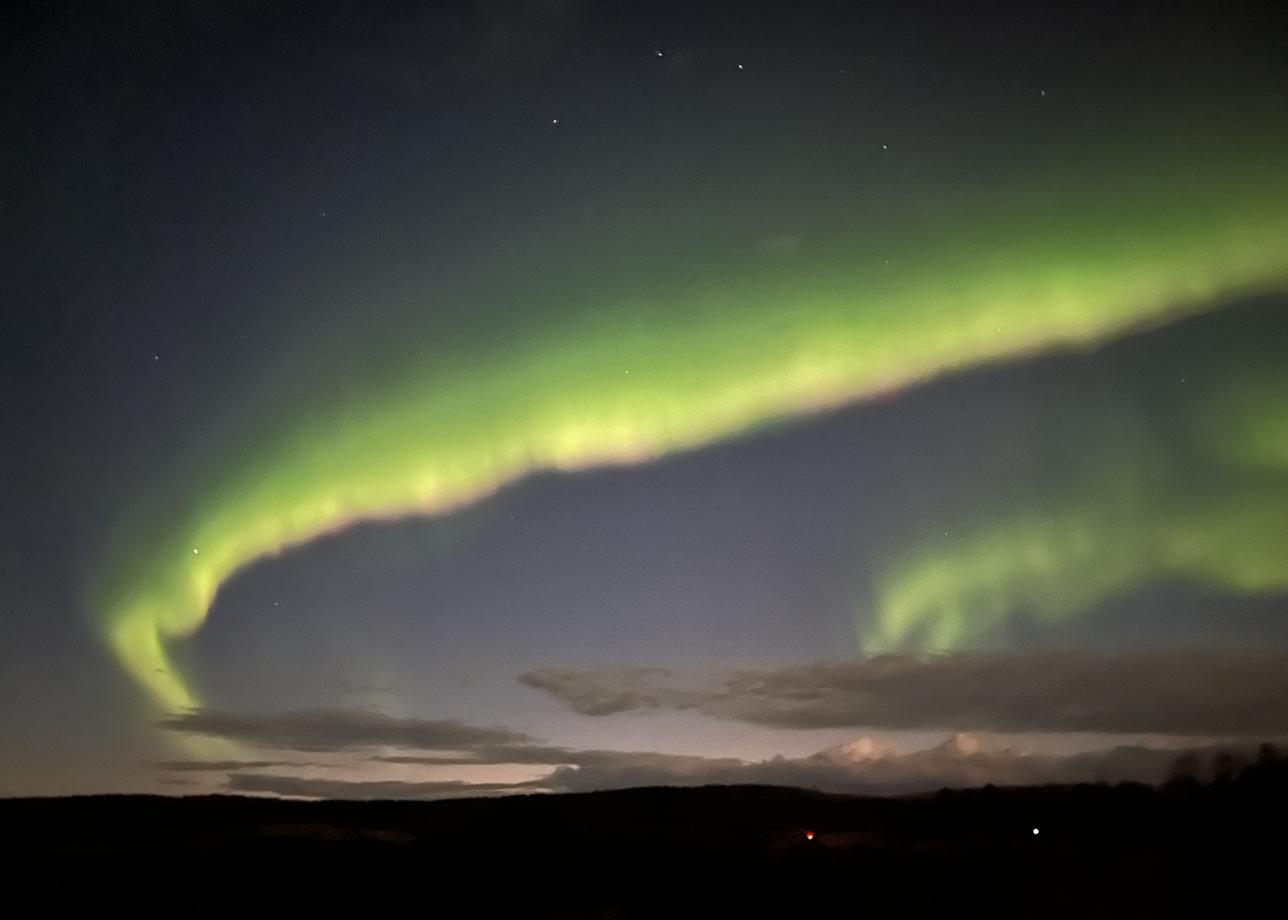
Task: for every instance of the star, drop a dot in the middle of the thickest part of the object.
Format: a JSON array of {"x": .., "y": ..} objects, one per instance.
[
  {"x": 657, "y": 53},
  {"x": 554, "y": 121}
]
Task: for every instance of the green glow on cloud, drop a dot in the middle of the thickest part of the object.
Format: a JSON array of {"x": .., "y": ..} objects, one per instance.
[{"x": 625, "y": 380}]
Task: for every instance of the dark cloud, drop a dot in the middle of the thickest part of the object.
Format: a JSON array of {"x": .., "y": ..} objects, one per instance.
[
  {"x": 321, "y": 788},
  {"x": 555, "y": 756},
  {"x": 1187, "y": 692},
  {"x": 223, "y": 766},
  {"x": 961, "y": 761},
  {"x": 490, "y": 754},
  {"x": 609, "y": 691},
  {"x": 865, "y": 766},
  {"x": 338, "y": 729}
]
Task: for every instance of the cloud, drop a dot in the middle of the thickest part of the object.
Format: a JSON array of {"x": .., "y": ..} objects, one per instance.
[
  {"x": 558, "y": 756},
  {"x": 338, "y": 729},
  {"x": 796, "y": 696},
  {"x": 323, "y": 788},
  {"x": 610, "y": 691},
  {"x": 872, "y": 767},
  {"x": 433, "y": 743},
  {"x": 865, "y": 766},
  {"x": 223, "y": 766},
  {"x": 1183, "y": 692},
  {"x": 490, "y": 754},
  {"x": 624, "y": 769}
]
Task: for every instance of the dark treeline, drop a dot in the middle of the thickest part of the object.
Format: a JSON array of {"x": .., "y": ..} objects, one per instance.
[{"x": 1208, "y": 839}]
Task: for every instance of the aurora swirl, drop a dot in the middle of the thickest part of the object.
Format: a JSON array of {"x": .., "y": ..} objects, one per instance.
[{"x": 1048, "y": 263}]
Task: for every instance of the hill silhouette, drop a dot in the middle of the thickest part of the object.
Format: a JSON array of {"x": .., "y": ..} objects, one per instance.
[{"x": 719, "y": 851}]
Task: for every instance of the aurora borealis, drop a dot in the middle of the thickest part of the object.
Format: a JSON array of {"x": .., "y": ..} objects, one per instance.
[
  {"x": 743, "y": 354},
  {"x": 1004, "y": 314}
]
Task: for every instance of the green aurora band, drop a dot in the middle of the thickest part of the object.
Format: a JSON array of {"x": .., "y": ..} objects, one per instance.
[
  {"x": 1134, "y": 508},
  {"x": 1050, "y": 263}
]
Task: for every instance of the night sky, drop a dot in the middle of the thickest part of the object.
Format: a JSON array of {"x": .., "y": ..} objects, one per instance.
[{"x": 424, "y": 399}]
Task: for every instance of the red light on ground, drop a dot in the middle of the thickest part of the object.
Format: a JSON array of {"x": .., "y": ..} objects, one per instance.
[{"x": 809, "y": 835}]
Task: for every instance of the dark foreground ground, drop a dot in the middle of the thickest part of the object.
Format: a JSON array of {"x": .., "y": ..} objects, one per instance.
[{"x": 1213, "y": 850}]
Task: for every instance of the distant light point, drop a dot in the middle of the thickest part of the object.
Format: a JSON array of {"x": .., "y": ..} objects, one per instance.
[
  {"x": 554, "y": 121},
  {"x": 657, "y": 53},
  {"x": 195, "y": 551},
  {"x": 1035, "y": 832},
  {"x": 809, "y": 835},
  {"x": 740, "y": 67},
  {"x": 885, "y": 146}
]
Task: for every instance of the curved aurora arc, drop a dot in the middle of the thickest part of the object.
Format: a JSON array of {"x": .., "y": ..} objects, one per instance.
[{"x": 1049, "y": 266}]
